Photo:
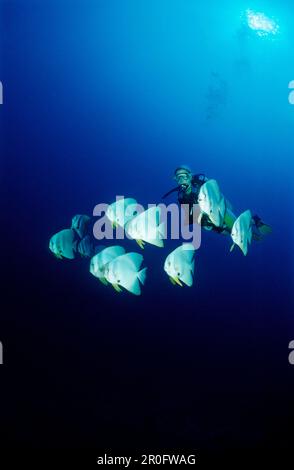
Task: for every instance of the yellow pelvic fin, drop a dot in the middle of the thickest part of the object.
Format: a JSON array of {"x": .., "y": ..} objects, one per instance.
[
  {"x": 116, "y": 287},
  {"x": 175, "y": 280},
  {"x": 141, "y": 243},
  {"x": 232, "y": 247}
]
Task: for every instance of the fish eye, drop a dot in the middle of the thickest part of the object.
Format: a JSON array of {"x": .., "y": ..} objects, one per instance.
[
  {"x": 178, "y": 274},
  {"x": 118, "y": 281}
]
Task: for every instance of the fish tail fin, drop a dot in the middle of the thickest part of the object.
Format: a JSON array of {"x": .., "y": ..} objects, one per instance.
[{"x": 142, "y": 275}]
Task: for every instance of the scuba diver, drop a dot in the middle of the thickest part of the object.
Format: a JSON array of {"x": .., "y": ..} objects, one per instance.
[{"x": 188, "y": 190}]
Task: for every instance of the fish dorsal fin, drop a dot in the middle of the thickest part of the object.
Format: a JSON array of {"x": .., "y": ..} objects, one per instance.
[
  {"x": 246, "y": 219},
  {"x": 130, "y": 201},
  {"x": 112, "y": 252},
  {"x": 123, "y": 209},
  {"x": 183, "y": 254},
  {"x": 122, "y": 203},
  {"x": 134, "y": 260},
  {"x": 109, "y": 254},
  {"x": 211, "y": 187},
  {"x": 187, "y": 252}
]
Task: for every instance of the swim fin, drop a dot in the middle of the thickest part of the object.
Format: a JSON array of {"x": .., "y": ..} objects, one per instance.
[
  {"x": 265, "y": 229},
  {"x": 262, "y": 229}
]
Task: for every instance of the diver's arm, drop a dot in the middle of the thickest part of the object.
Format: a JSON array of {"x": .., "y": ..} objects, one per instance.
[{"x": 199, "y": 179}]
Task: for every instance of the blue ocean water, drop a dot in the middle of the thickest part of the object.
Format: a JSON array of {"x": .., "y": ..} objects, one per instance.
[{"x": 105, "y": 98}]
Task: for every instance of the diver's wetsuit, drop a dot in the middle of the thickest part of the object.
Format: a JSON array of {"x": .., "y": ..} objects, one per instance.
[
  {"x": 192, "y": 198},
  {"x": 259, "y": 228}
]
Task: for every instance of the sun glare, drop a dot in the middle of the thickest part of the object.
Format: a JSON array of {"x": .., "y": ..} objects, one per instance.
[{"x": 261, "y": 24}]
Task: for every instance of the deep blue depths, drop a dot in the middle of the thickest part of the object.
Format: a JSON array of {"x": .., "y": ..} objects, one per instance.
[{"x": 108, "y": 97}]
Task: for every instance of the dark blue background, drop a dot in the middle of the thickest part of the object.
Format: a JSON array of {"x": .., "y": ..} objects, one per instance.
[{"x": 107, "y": 97}]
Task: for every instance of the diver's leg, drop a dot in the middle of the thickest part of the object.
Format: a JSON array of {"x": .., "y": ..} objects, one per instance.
[
  {"x": 259, "y": 228},
  {"x": 263, "y": 228},
  {"x": 229, "y": 220},
  {"x": 225, "y": 229}
]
